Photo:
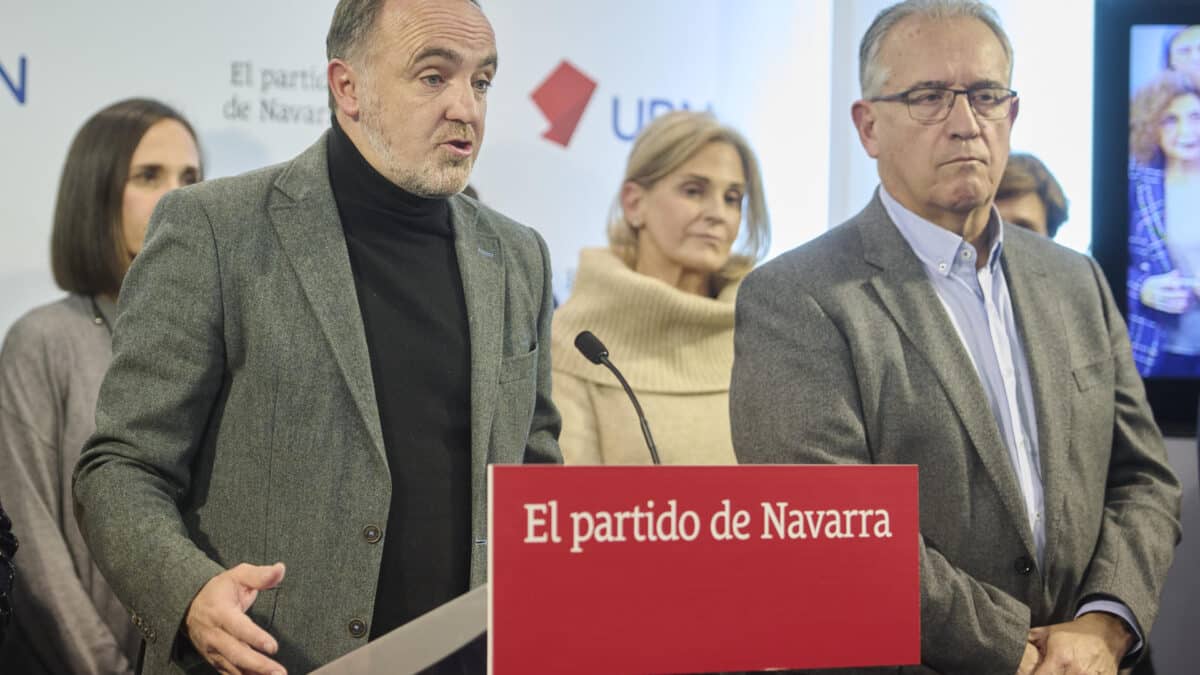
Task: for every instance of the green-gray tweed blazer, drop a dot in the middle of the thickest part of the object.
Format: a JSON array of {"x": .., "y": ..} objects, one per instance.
[{"x": 238, "y": 422}]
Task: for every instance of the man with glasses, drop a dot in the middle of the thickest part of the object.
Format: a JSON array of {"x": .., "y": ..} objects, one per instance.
[{"x": 919, "y": 332}]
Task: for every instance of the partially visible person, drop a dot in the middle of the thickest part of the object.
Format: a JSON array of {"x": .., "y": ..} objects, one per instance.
[
  {"x": 661, "y": 298},
  {"x": 121, "y": 162},
  {"x": 1163, "y": 279},
  {"x": 920, "y": 332},
  {"x": 1183, "y": 52},
  {"x": 1030, "y": 196},
  {"x": 8, "y": 548},
  {"x": 314, "y": 365}
]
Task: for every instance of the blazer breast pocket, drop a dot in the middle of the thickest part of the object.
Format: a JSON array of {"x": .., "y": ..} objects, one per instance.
[
  {"x": 514, "y": 368},
  {"x": 1094, "y": 374}
]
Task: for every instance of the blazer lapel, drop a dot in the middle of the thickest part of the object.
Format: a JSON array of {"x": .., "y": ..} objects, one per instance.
[
  {"x": 913, "y": 304},
  {"x": 1043, "y": 334},
  {"x": 481, "y": 265},
  {"x": 305, "y": 218}
]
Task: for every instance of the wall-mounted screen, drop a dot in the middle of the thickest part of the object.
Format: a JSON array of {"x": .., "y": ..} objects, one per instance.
[
  {"x": 1163, "y": 279},
  {"x": 1146, "y": 191}
]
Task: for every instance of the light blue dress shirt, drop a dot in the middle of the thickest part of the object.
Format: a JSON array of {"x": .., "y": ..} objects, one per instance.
[{"x": 980, "y": 309}]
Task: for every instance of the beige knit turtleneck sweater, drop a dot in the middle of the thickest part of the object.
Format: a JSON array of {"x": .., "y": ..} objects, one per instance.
[{"x": 676, "y": 350}]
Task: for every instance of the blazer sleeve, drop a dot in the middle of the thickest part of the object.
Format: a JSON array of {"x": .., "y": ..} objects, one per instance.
[
  {"x": 544, "y": 427},
  {"x": 794, "y": 399},
  {"x": 154, "y": 405},
  {"x": 51, "y": 592},
  {"x": 1142, "y": 496}
]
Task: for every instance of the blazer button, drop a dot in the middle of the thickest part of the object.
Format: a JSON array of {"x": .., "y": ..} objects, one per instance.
[
  {"x": 372, "y": 534},
  {"x": 358, "y": 628},
  {"x": 1023, "y": 566}
]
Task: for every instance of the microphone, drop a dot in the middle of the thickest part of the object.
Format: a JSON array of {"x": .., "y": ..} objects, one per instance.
[{"x": 594, "y": 350}]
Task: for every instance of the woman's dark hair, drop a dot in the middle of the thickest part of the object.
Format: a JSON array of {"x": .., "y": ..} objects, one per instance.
[{"x": 87, "y": 253}]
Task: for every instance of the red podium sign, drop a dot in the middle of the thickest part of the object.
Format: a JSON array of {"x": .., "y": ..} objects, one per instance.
[{"x": 699, "y": 569}]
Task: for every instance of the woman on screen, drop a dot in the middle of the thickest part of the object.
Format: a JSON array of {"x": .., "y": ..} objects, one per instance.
[
  {"x": 1164, "y": 233},
  {"x": 123, "y": 159},
  {"x": 1183, "y": 52},
  {"x": 661, "y": 297}
]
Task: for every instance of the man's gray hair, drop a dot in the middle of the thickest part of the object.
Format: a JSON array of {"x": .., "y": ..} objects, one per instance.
[
  {"x": 353, "y": 21},
  {"x": 872, "y": 74}
]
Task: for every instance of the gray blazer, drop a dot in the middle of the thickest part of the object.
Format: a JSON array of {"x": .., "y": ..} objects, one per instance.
[
  {"x": 844, "y": 354},
  {"x": 238, "y": 422}
]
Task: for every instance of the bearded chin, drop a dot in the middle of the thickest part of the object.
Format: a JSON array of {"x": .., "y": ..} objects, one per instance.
[
  {"x": 438, "y": 182},
  {"x": 435, "y": 180}
]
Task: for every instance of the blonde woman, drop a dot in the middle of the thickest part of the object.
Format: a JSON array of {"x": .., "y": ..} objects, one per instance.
[{"x": 661, "y": 297}]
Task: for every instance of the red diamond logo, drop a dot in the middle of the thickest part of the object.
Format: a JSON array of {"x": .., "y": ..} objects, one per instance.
[{"x": 562, "y": 98}]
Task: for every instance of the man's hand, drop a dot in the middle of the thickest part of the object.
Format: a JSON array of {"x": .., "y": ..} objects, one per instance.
[
  {"x": 1093, "y": 644},
  {"x": 217, "y": 623},
  {"x": 1029, "y": 661}
]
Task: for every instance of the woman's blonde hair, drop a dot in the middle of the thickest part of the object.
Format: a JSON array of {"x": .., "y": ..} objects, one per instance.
[
  {"x": 662, "y": 147},
  {"x": 1145, "y": 115}
]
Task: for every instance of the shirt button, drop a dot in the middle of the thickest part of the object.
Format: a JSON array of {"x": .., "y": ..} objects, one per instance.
[
  {"x": 941, "y": 267},
  {"x": 357, "y": 627},
  {"x": 372, "y": 534},
  {"x": 1023, "y": 566}
]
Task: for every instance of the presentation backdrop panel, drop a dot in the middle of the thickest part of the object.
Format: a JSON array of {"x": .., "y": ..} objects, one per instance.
[{"x": 250, "y": 77}]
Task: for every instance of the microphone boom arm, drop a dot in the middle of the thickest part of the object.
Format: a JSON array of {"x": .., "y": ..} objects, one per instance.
[{"x": 636, "y": 406}]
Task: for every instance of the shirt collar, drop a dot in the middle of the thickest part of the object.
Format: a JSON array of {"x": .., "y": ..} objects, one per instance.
[
  {"x": 106, "y": 307},
  {"x": 939, "y": 249}
]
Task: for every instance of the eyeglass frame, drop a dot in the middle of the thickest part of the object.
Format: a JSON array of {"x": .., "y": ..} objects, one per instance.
[{"x": 902, "y": 97}]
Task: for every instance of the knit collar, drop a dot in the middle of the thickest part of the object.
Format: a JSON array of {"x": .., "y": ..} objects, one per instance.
[{"x": 661, "y": 338}]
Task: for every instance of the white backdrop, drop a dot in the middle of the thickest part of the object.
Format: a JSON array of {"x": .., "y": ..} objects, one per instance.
[
  {"x": 782, "y": 71},
  {"x": 761, "y": 66}
]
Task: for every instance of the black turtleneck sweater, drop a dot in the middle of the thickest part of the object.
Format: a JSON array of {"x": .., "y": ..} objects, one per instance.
[{"x": 415, "y": 317}]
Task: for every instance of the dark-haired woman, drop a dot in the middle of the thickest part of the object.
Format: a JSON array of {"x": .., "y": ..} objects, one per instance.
[{"x": 121, "y": 162}]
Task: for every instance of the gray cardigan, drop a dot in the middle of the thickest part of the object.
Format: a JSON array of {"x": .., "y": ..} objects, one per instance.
[{"x": 66, "y": 619}]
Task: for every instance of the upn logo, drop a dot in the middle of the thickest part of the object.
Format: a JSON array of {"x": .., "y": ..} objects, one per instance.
[
  {"x": 16, "y": 81},
  {"x": 566, "y": 92},
  {"x": 643, "y": 111},
  {"x": 562, "y": 97}
]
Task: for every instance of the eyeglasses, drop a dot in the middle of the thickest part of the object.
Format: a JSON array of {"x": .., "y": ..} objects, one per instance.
[{"x": 933, "y": 104}]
